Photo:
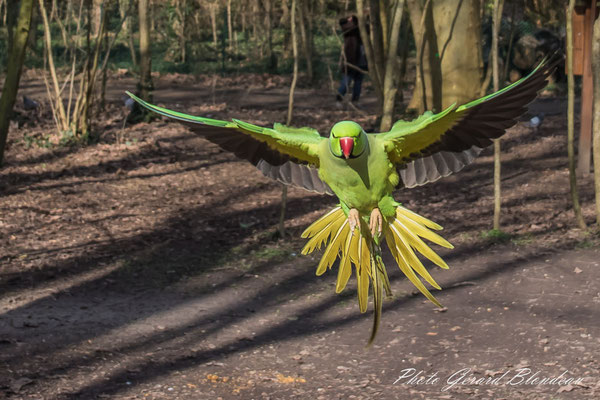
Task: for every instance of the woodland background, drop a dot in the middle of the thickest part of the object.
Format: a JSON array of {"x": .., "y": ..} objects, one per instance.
[{"x": 140, "y": 261}]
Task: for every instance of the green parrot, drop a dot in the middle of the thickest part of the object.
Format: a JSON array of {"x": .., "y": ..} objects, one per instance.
[{"x": 363, "y": 169}]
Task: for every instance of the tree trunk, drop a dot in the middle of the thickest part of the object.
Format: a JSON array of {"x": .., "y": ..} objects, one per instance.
[
  {"x": 571, "y": 121},
  {"x": 370, "y": 50},
  {"x": 124, "y": 6},
  {"x": 596, "y": 138},
  {"x": 377, "y": 37},
  {"x": 271, "y": 60},
  {"x": 458, "y": 30},
  {"x": 390, "y": 80},
  {"x": 309, "y": 12},
  {"x": 306, "y": 46},
  {"x": 293, "y": 27},
  {"x": 180, "y": 10},
  {"x": 243, "y": 14},
  {"x": 212, "y": 11},
  {"x": 96, "y": 16},
  {"x": 381, "y": 49},
  {"x": 285, "y": 13},
  {"x": 145, "y": 84},
  {"x": 497, "y": 20},
  {"x": 13, "y": 74},
  {"x": 92, "y": 69},
  {"x": 427, "y": 93},
  {"x": 63, "y": 29},
  {"x": 60, "y": 115},
  {"x": 104, "y": 71},
  {"x": 229, "y": 26},
  {"x": 12, "y": 9}
]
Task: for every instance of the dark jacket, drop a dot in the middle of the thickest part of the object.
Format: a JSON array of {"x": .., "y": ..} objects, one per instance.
[{"x": 353, "y": 48}]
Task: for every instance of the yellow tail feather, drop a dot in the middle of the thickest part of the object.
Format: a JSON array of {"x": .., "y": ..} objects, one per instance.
[
  {"x": 402, "y": 233},
  {"x": 404, "y": 249}
]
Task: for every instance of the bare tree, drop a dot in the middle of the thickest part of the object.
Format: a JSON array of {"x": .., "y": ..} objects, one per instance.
[
  {"x": 96, "y": 15},
  {"x": 458, "y": 32},
  {"x": 125, "y": 8},
  {"x": 306, "y": 36},
  {"x": 181, "y": 11},
  {"x": 571, "y": 121},
  {"x": 75, "y": 120},
  {"x": 293, "y": 28},
  {"x": 12, "y": 9},
  {"x": 449, "y": 62},
  {"x": 145, "y": 85},
  {"x": 497, "y": 19},
  {"x": 213, "y": 9},
  {"x": 61, "y": 117},
  {"x": 380, "y": 43},
  {"x": 229, "y": 27},
  {"x": 13, "y": 74},
  {"x": 390, "y": 77},
  {"x": 427, "y": 94},
  {"x": 88, "y": 81},
  {"x": 271, "y": 59}
]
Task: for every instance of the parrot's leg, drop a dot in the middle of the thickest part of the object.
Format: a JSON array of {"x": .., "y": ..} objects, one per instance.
[
  {"x": 376, "y": 222},
  {"x": 353, "y": 219}
]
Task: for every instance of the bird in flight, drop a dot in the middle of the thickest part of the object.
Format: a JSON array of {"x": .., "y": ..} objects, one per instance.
[{"x": 363, "y": 169}]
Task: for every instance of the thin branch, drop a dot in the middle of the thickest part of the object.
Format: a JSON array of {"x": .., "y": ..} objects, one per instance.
[
  {"x": 48, "y": 39},
  {"x": 571, "y": 121}
]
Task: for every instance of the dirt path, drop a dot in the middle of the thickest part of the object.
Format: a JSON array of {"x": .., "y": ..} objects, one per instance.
[{"x": 148, "y": 270}]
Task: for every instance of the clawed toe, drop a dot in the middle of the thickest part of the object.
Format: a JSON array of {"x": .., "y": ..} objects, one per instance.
[
  {"x": 375, "y": 222},
  {"x": 353, "y": 220}
]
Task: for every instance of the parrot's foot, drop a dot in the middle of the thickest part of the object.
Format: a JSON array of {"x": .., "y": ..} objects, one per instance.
[
  {"x": 376, "y": 221},
  {"x": 353, "y": 220}
]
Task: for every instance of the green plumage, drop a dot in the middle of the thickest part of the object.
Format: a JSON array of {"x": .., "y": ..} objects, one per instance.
[{"x": 363, "y": 170}]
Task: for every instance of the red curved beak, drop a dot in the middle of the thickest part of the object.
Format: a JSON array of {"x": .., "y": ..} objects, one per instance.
[{"x": 347, "y": 144}]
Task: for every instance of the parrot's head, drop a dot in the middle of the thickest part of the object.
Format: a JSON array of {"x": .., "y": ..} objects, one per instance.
[{"x": 347, "y": 140}]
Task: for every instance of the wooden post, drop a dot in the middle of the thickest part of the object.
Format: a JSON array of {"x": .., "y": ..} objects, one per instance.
[
  {"x": 587, "y": 95},
  {"x": 584, "y": 19}
]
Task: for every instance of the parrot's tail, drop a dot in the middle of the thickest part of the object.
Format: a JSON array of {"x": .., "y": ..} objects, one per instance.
[{"x": 403, "y": 234}]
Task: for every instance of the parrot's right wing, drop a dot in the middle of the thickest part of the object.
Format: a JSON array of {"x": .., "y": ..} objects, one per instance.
[{"x": 286, "y": 154}]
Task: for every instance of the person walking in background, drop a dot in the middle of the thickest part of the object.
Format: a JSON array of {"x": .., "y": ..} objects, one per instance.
[{"x": 353, "y": 55}]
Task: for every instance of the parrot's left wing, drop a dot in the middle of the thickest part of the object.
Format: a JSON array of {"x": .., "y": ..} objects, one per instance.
[
  {"x": 288, "y": 155},
  {"x": 438, "y": 165},
  {"x": 436, "y": 145}
]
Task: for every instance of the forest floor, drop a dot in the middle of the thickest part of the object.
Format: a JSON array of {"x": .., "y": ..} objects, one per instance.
[{"x": 145, "y": 267}]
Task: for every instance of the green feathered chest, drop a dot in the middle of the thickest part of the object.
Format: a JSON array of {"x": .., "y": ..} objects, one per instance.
[{"x": 359, "y": 182}]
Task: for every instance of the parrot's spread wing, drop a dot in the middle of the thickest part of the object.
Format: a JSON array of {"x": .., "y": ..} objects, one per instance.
[
  {"x": 286, "y": 154},
  {"x": 439, "y": 165},
  {"x": 436, "y": 145},
  {"x": 291, "y": 173}
]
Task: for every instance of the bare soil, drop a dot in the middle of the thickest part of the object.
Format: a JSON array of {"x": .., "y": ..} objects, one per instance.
[{"x": 145, "y": 266}]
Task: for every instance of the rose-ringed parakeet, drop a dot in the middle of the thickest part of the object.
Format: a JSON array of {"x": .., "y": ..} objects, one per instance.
[{"x": 363, "y": 170}]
